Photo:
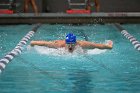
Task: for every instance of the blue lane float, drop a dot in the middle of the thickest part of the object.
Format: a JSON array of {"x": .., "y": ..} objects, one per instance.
[
  {"x": 131, "y": 38},
  {"x": 18, "y": 49}
]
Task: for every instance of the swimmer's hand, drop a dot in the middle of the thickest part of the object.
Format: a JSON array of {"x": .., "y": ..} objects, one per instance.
[
  {"x": 109, "y": 44},
  {"x": 32, "y": 43}
]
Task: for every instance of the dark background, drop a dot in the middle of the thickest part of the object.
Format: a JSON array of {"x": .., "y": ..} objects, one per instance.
[
  {"x": 105, "y": 5},
  {"x": 62, "y": 5}
]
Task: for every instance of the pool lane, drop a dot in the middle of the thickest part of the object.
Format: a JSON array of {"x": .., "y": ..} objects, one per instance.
[{"x": 131, "y": 38}]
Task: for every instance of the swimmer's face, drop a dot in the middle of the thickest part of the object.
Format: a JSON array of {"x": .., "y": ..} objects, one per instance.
[{"x": 70, "y": 47}]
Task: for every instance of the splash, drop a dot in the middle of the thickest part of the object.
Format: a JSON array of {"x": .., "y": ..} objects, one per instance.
[
  {"x": 96, "y": 51},
  {"x": 50, "y": 51},
  {"x": 64, "y": 52}
]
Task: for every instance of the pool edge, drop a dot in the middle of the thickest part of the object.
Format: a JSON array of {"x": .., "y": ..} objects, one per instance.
[{"x": 63, "y": 18}]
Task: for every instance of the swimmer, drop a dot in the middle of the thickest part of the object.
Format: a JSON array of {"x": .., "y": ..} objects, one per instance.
[{"x": 70, "y": 43}]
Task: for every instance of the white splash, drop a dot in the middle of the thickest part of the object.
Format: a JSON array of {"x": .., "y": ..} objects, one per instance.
[
  {"x": 50, "y": 51},
  {"x": 63, "y": 51},
  {"x": 96, "y": 51}
]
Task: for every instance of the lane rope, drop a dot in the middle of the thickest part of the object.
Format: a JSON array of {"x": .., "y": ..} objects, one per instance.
[
  {"x": 131, "y": 38},
  {"x": 18, "y": 49}
]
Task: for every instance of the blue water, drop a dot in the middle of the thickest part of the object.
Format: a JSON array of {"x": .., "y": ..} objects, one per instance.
[{"x": 44, "y": 70}]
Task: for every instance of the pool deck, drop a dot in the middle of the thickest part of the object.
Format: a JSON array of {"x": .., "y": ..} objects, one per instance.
[{"x": 64, "y": 18}]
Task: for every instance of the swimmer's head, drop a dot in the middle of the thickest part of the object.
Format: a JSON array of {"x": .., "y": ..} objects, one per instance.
[
  {"x": 70, "y": 38},
  {"x": 70, "y": 41}
]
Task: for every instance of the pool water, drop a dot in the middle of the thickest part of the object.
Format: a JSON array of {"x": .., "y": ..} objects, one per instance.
[{"x": 47, "y": 70}]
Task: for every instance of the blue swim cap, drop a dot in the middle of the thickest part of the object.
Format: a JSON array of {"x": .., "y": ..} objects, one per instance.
[{"x": 70, "y": 38}]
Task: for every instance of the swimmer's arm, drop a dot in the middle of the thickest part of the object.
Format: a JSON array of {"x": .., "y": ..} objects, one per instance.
[
  {"x": 39, "y": 43},
  {"x": 101, "y": 46},
  {"x": 42, "y": 43},
  {"x": 86, "y": 44},
  {"x": 51, "y": 44}
]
